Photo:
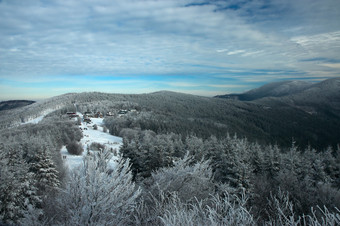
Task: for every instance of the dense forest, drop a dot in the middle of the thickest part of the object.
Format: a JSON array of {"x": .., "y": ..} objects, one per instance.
[{"x": 185, "y": 160}]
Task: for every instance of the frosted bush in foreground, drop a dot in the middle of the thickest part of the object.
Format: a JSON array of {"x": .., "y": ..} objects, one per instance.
[
  {"x": 283, "y": 213},
  {"x": 221, "y": 211},
  {"x": 189, "y": 180},
  {"x": 98, "y": 194}
]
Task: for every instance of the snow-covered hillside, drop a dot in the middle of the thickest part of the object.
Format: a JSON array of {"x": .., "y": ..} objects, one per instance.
[{"x": 92, "y": 135}]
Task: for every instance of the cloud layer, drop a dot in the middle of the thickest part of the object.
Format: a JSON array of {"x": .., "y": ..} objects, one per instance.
[{"x": 210, "y": 47}]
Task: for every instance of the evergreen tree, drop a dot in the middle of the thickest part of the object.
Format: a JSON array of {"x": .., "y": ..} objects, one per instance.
[
  {"x": 257, "y": 159},
  {"x": 272, "y": 161},
  {"x": 331, "y": 164},
  {"x": 18, "y": 192},
  {"x": 45, "y": 171}
]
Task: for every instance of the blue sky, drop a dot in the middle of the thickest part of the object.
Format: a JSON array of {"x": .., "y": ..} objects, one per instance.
[{"x": 51, "y": 47}]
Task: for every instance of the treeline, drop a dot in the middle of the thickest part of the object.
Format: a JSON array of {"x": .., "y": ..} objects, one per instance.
[{"x": 310, "y": 178}]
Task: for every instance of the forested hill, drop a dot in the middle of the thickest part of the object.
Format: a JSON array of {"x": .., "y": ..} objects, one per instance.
[
  {"x": 275, "y": 89},
  {"x": 327, "y": 90},
  {"x": 311, "y": 111},
  {"x": 310, "y": 116}
]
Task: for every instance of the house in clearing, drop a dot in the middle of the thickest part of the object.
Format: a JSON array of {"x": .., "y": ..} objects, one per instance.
[
  {"x": 109, "y": 113},
  {"x": 72, "y": 114},
  {"x": 87, "y": 120},
  {"x": 88, "y": 114},
  {"x": 98, "y": 115},
  {"x": 122, "y": 112}
]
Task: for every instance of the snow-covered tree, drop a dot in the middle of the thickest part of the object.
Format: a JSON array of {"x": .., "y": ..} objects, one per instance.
[
  {"x": 45, "y": 171},
  {"x": 272, "y": 161},
  {"x": 226, "y": 210},
  {"x": 98, "y": 193},
  {"x": 189, "y": 180},
  {"x": 18, "y": 192}
]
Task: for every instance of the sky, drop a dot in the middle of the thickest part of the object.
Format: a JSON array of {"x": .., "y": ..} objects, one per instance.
[{"x": 201, "y": 47}]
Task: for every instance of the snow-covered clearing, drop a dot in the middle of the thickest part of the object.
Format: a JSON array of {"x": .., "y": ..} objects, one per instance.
[
  {"x": 36, "y": 120},
  {"x": 91, "y": 135}
]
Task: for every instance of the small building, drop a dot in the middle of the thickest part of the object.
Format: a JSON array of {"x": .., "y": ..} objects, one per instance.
[
  {"x": 72, "y": 114},
  {"x": 109, "y": 113},
  {"x": 123, "y": 112},
  {"x": 88, "y": 114},
  {"x": 87, "y": 120},
  {"x": 98, "y": 115}
]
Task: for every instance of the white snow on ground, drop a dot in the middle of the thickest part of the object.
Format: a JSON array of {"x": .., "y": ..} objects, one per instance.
[
  {"x": 35, "y": 120},
  {"x": 38, "y": 119},
  {"x": 91, "y": 135}
]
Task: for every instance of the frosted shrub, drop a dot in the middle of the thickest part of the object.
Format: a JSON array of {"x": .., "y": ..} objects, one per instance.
[
  {"x": 74, "y": 148},
  {"x": 280, "y": 209},
  {"x": 221, "y": 211},
  {"x": 190, "y": 180},
  {"x": 97, "y": 146},
  {"x": 98, "y": 194},
  {"x": 282, "y": 213},
  {"x": 327, "y": 217}
]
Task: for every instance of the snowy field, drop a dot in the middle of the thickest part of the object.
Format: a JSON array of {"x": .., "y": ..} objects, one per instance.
[{"x": 91, "y": 135}]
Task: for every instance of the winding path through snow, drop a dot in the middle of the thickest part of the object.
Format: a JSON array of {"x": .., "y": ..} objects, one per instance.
[{"x": 91, "y": 135}]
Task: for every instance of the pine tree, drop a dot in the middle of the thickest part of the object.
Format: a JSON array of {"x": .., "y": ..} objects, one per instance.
[
  {"x": 331, "y": 164},
  {"x": 18, "y": 192},
  {"x": 45, "y": 171},
  {"x": 257, "y": 159},
  {"x": 272, "y": 161}
]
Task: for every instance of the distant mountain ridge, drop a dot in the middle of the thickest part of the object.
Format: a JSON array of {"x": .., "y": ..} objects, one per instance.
[
  {"x": 275, "y": 89},
  {"x": 11, "y": 104},
  {"x": 328, "y": 87}
]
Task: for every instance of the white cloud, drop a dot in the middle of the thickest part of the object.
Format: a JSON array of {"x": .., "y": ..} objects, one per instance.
[
  {"x": 44, "y": 39},
  {"x": 333, "y": 65},
  {"x": 222, "y": 50},
  {"x": 235, "y": 52},
  {"x": 330, "y": 39}
]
